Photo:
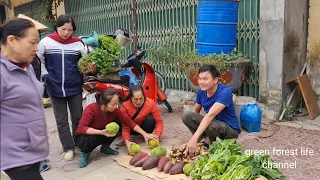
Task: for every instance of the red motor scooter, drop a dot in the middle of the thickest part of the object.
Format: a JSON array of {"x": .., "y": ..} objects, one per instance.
[{"x": 146, "y": 77}]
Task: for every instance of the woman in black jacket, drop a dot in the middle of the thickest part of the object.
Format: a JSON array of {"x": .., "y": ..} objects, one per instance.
[{"x": 36, "y": 64}]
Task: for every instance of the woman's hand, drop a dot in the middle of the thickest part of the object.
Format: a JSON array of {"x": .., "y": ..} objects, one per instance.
[
  {"x": 128, "y": 144},
  {"x": 147, "y": 137},
  {"x": 104, "y": 133},
  {"x": 92, "y": 68}
]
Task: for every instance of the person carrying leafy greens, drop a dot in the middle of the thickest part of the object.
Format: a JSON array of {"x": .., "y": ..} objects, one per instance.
[{"x": 216, "y": 99}]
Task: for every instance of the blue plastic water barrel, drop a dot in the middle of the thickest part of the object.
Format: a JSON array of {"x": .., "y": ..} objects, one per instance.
[{"x": 216, "y": 26}]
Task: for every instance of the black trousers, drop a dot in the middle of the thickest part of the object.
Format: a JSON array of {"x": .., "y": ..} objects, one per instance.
[
  {"x": 148, "y": 125},
  {"x": 87, "y": 143},
  {"x": 25, "y": 172},
  {"x": 60, "y": 109},
  {"x": 45, "y": 94}
]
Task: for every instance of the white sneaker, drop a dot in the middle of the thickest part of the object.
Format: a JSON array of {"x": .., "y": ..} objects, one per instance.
[{"x": 69, "y": 155}]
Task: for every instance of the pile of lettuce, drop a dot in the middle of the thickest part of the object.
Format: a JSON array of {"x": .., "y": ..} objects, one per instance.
[
  {"x": 226, "y": 161},
  {"x": 104, "y": 57}
]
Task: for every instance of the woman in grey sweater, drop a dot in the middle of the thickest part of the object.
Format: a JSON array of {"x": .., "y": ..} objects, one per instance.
[{"x": 24, "y": 140}]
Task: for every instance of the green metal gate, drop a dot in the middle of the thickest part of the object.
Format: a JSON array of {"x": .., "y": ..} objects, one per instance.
[
  {"x": 156, "y": 18},
  {"x": 103, "y": 16},
  {"x": 248, "y": 42}
]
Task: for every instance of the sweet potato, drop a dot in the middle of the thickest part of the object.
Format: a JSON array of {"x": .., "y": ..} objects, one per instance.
[
  {"x": 167, "y": 167},
  {"x": 140, "y": 162},
  {"x": 138, "y": 156},
  {"x": 176, "y": 169},
  {"x": 150, "y": 163},
  {"x": 162, "y": 163}
]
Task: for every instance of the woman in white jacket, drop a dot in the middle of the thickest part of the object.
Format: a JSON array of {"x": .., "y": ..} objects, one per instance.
[{"x": 59, "y": 54}]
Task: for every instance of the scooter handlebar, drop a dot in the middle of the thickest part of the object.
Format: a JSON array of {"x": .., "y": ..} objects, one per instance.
[{"x": 134, "y": 59}]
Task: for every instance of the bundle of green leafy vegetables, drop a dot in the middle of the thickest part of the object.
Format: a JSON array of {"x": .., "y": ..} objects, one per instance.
[
  {"x": 109, "y": 44},
  {"x": 226, "y": 161},
  {"x": 104, "y": 57}
]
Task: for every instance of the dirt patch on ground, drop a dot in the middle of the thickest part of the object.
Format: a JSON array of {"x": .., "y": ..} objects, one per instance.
[
  {"x": 174, "y": 127},
  {"x": 304, "y": 143}
]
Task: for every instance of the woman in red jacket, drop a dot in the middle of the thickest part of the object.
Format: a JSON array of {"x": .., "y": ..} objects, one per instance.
[
  {"x": 91, "y": 130},
  {"x": 148, "y": 118}
]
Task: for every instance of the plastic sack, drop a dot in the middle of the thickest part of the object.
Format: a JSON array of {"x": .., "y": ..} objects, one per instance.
[
  {"x": 91, "y": 98},
  {"x": 133, "y": 78},
  {"x": 91, "y": 40},
  {"x": 250, "y": 117}
]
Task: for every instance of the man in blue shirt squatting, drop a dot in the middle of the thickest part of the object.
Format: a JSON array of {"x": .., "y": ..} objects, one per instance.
[{"x": 220, "y": 119}]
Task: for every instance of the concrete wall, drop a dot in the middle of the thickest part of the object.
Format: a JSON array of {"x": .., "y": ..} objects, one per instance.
[
  {"x": 283, "y": 31},
  {"x": 61, "y": 9},
  {"x": 295, "y": 45},
  {"x": 314, "y": 45},
  {"x": 18, "y": 2},
  {"x": 271, "y": 54}
]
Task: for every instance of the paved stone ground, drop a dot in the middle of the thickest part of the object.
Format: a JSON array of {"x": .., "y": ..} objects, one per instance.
[
  {"x": 286, "y": 135},
  {"x": 299, "y": 142}
]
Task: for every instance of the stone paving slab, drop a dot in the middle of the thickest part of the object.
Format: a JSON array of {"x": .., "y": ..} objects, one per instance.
[{"x": 113, "y": 171}]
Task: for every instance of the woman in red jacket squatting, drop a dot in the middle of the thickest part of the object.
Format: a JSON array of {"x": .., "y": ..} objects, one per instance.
[
  {"x": 148, "y": 118},
  {"x": 91, "y": 130}
]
